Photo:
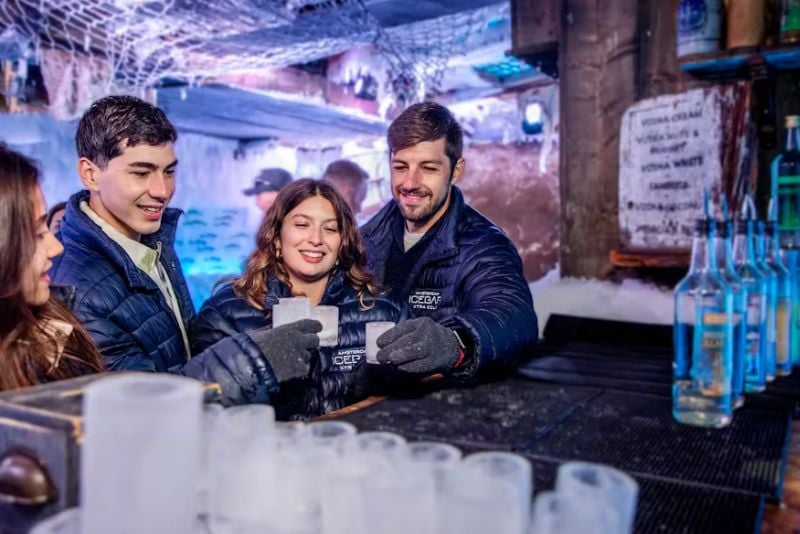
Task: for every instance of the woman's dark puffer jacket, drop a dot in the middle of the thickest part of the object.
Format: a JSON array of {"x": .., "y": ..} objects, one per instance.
[{"x": 338, "y": 377}]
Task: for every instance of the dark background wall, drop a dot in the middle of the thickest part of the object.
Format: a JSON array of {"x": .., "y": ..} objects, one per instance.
[{"x": 610, "y": 55}]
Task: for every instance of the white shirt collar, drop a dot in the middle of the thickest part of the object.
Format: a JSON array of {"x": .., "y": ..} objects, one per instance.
[{"x": 143, "y": 256}]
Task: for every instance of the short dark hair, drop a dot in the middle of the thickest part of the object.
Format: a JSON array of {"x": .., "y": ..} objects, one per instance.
[
  {"x": 427, "y": 121},
  {"x": 52, "y": 212},
  {"x": 344, "y": 171},
  {"x": 114, "y": 120}
]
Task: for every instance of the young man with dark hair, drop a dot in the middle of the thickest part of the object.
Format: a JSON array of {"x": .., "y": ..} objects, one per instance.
[
  {"x": 118, "y": 256},
  {"x": 350, "y": 180},
  {"x": 458, "y": 272}
]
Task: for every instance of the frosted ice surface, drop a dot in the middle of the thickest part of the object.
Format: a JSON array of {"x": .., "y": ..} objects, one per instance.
[{"x": 632, "y": 300}]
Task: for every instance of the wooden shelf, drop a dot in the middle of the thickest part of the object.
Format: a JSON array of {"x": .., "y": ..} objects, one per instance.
[
  {"x": 543, "y": 57},
  {"x": 649, "y": 259},
  {"x": 738, "y": 64}
]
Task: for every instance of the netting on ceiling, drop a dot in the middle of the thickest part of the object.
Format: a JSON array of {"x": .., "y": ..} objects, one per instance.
[{"x": 88, "y": 48}]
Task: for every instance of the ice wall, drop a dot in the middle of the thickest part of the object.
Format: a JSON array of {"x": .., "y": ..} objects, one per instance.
[
  {"x": 51, "y": 144},
  {"x": 218, "y": 228}
]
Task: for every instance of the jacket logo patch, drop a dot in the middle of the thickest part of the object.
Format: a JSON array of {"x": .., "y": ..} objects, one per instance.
[
  {"x": 425, "y": 299},
  {"x": 346, "y": 360}
]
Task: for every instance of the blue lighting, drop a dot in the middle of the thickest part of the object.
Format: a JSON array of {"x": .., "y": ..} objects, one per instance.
[
  {"x": 212, "y": 243},
  {"x": 533, "y": 113},
  {"x": 509, "y": 69},
  {"x": 533, "y": 122}
]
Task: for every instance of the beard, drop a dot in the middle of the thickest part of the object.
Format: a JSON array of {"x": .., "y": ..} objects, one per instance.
[{"x": 422, "y": 213}]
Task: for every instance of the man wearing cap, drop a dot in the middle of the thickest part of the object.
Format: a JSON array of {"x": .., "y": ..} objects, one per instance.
[{"x": 267, "y": 185}]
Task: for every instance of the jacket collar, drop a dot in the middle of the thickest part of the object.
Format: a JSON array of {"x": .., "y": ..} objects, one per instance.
[
  {"x": 333, "y": 294},
  {"x": 389, "y": 220},
  {"x": 64, "y": 294},
  {"x": 78, "y": 229}
]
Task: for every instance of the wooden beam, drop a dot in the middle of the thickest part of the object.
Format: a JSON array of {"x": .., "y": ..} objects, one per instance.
[
  {"x": 534, "y": 24},
  {"x": 598, "y": 55},
  {"x": 659, "y": 72}
]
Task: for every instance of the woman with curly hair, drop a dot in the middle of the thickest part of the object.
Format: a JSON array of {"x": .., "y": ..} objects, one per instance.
[
  {"x": 307, "y": 245},
  {"x": 40, "y": 340}
]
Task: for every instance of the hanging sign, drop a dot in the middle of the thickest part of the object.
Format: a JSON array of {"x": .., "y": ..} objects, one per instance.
[{"x": 671, "y": 150}]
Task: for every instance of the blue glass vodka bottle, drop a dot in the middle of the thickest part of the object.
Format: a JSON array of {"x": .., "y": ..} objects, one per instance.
[
  {"x": 791, "y": 259},
  {"x": 755, "y": 377},
  {"x": 724, "y": 250},
  {"x": 772, "y": 299},
  {"x": 786, "y": 188},
  {"x": 703, "y": 331},
  {"x": 785, "y": 296}
]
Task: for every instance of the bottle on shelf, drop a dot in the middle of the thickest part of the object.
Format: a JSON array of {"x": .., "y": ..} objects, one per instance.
[
  {"x": 703, "y": 331},
  {"x": 786, "y": 188},
  {"x": 790, "y": 22},
  {"x": 772, "y": 23},
  {"x": 699, "y": 26},
  {"x": 727, "y": 270},
  {"x": 745, "y": 23},
  {"x": 771, "y": 278},
  {"x": 755, "y": 377},
  {"x": 784, "y": 319}
]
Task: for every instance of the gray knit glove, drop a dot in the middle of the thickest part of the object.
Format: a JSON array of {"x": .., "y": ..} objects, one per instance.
[
  {"x": 419, "y": 346},
  {"x": 289, "y": 347}
]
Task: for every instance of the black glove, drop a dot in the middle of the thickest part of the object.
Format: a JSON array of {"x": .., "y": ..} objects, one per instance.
[
  {"x": 419, "y": 346},
  {"x": 289, "y": 347}
]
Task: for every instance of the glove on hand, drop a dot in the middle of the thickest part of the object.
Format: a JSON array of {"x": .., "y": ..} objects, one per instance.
[
  {"x": 419, "y": 346},
  {"x": 289, "y": 348}
]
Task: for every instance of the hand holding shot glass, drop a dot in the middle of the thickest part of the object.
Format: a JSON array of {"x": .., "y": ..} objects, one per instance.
[
  {"x": 329, "y": 317},
  {"x": 374, "y": 331},
  {"x": 289, "y": 310},
  {"x": 418, "y": 347}
]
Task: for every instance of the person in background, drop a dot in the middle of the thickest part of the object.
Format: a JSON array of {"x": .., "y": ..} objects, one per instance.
[
  {"x": 118, "y": 256},
  {"x": 267, "y": 185},
  {"x": 308, "y": 244},
  {"x": 54, "y": 216},
  {"x": 40, "y": 340},
  {"x": 350, "y": 180},
  {"x": 459, "y": 273}
]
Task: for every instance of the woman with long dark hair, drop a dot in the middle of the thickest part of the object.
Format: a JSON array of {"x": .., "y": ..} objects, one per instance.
[
  {"x": 40, "y": 339},
  {"x": 308, "y": 244}
]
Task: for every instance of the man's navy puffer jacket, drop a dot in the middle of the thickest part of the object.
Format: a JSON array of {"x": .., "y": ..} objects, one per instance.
[
  {"x": 469, "y": 279},
  {"x": 129, "y": 319},
  {"x": 339, "y": 377}
]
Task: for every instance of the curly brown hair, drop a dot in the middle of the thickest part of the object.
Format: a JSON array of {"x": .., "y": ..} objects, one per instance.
[
  {"x": 29, "y": 352},
  {"x": 265, "y": 261}
]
